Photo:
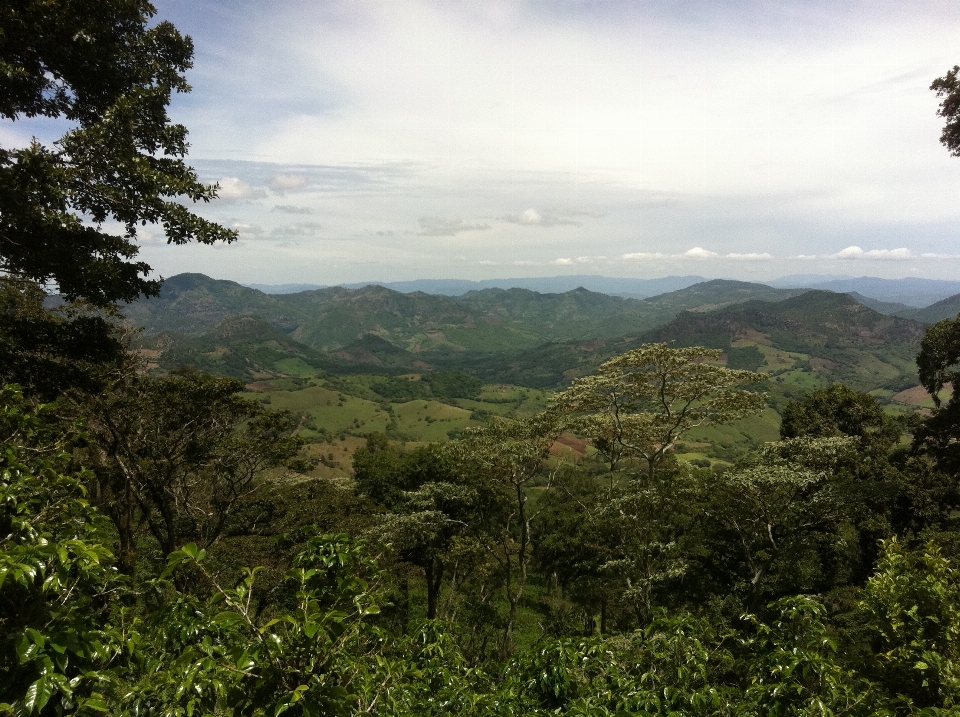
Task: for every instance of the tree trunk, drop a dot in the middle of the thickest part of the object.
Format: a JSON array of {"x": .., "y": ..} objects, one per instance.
[{"x": 434, "y": 575}]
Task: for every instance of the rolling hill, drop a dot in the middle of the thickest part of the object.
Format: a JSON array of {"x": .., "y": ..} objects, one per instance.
[
  {"x": 492, "y": 319},
  {"x": 516, "y": 336},
  {"x": 949, "y": 308}
]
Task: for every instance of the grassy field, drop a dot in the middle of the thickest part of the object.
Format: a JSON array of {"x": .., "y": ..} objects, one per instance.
[{"x": 335, "y": 413}]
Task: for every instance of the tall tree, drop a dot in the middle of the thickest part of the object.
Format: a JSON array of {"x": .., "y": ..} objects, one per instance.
[
  {"x": 101, "y": 66},
  {"x": 939, "y": 369},
  {"x": 502, "y": 461},
  {"x": 72, "y": 209},
  {"x": 643, "y": 402},
  {"x": 177, "y": 454}
]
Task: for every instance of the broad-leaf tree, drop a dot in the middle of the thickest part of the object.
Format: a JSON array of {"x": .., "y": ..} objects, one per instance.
[
  {"x": 939, "y": 369},
  {"x": 109, "y": 71},
  {"x": 502, "y": 463},
  {"x": 643, "y": 402},
  {"x": 177, "y": 454},
  {"x": 57, "y": 586}
]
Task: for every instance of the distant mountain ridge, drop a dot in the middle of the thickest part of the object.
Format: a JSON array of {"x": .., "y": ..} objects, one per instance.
[
  {"x": 803, "y": 339},
  {"x": 489, "y": 319},
  {"x": 910, "y": 292},
  {"x": 949, "y": 308},
  {"x": 817, "y": 337},
  {"x": 615, "y": 286}
]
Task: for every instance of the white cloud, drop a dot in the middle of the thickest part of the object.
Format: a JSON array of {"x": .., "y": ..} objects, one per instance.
[
  {"x": 530, "y": 216},
  {"x": 442, "y": 227},
  {"x": 233, "y": 189},
  {"x": 643, "y": 255},
  {"x": 700, "y": 253},
  {"x": 303, "y": 229},
  {"x": 247, "y": 231},
  {"x": 852, "y": 253},
  {"x": 533, "y": 218},
  {"x": 750, "y": 257},
  {"x": 562, "y": 261},
  {"x": 291, "y": 209},
  {"x": 281, "y": 183},
  {"x": 931, "y": 255}
]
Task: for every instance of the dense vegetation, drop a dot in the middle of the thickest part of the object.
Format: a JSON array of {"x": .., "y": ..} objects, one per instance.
[{"x": 712, "y": 526}]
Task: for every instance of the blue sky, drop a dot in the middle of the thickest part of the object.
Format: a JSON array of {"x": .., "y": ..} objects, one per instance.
[{"x": 358, "y": 140}]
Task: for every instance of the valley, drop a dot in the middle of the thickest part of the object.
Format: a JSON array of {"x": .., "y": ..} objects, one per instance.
[{"x": 421, "y": 368}]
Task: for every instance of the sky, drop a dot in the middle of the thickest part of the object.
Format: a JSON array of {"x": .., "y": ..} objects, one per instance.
[{"x": 386, "y": 140}]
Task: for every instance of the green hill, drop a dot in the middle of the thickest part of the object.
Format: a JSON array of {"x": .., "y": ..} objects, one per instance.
[
  {"x": 490, "y": 320},
  {"x": 191, "y": 304},
  {"x": 520, "y": 337},
  {"x": 832, "y": 336},
  {"x": 949, "y": 308},
  {"x": 715, "y": 294}
]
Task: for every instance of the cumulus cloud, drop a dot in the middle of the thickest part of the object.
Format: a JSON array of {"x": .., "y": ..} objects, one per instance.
[
  {"x": 302, "y": 229},
  {"x": 562, "y": 261},
  {"x": 533, "y": 218},
  {"x": 749, "y": 257},
  {"x": 281, "y": 183},
  {"x": 699, "y": 252},
  {"x": 442, "y": 227},
  {"x": 931, "y": 255},
  {"x": 852, "y": 253},
  {"x": 291, "y": 209},
  {"x": 643, "y": 255},
  {"x": 233, "y": 189}
]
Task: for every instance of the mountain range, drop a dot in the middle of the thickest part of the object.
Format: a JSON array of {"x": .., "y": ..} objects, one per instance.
[
  {"x": 910, "y": 292},
  {"x": 523, "y": 337}
]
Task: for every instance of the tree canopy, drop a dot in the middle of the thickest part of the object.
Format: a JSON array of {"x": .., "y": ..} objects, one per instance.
[{"x": 102, "y": 66}]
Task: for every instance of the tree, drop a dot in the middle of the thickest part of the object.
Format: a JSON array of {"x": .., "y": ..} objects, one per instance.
[
  {"x": 51, "y": 351},
  {"x": 501, "y": 463},
  {"x": 774, "y": 505},
  {"x": 428, "y": 505},
  {"x": 100, "y": 66},
  {"x": 646, "y": 400},
  {"x": 178, "y": 453},
  {"x": 939, "y": 368},
  {"x": 948, "y": 88},
  {"x": 912, "y": 607},
  {"x": 839, "y": 411}
]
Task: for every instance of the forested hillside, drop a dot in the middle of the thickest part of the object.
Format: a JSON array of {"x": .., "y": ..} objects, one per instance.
[{"x": 360, "y": 502}]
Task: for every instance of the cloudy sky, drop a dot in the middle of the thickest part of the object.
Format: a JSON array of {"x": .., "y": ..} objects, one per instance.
[{"x": 400, "y": 139}]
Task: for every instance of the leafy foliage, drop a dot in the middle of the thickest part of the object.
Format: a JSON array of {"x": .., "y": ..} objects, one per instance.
[
  {"x": 105, "y": 69},
  {"x": 939, "y": 367},
  {"x": 644, "y": 401},
  {"x": 57, "y": 639}
]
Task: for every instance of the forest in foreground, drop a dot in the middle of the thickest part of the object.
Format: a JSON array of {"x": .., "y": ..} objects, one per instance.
[{"x": 607, "y": 533}]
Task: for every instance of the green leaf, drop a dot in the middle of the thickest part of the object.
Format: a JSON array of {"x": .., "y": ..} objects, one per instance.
[{"x": 38, "y": 694}]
